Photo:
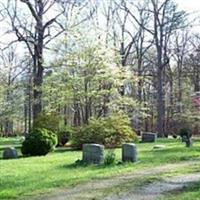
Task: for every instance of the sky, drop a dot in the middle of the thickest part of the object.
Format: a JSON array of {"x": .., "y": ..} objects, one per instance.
[
  {"x": 193, "y": 8},
  {"x": 189, "y": 5}
]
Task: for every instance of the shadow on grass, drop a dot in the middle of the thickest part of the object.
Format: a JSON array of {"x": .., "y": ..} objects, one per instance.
[
  {"x": 191, "y": 188},
  {"x": 65, "y": 149},
  {"x": 177, "y": 150},
  {"x": 79, "y": 164},
  {"x": 19, "y": 157}
]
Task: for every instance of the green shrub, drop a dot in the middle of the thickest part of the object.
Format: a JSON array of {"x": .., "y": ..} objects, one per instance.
[
  {"x": 183, "y": 122},
  {"x": 39, "y": 142},
  {"x": 110, "y": 131},
  {"x": 118, "y": 130},
  {"x": 64, "y": 134},
  {"x": 185, "y": 132},
  {"x": 50, "y": 121},
  {"x": 110, "y": 158},
  {"x": 93, "y": 132}
]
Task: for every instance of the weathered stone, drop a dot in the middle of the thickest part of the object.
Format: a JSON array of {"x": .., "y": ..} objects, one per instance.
[
  {"x": 93, "y": 153},
  {"x": 184, "y": 138},
  {"x": 188, "y": 142},
  {"x": 149, "y": 137},
  {"x": 9, "y": 153},
  {"x": 129, "y": 152}
]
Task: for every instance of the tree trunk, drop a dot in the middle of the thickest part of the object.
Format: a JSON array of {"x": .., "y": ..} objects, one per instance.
[
  {"x": 38, "y": 65},
  {"x": 197, "y": 80},
  {"x": 161, "y": 104},
  {"x": 77, "y": 115},
  {"x": 179, "y": 87}
]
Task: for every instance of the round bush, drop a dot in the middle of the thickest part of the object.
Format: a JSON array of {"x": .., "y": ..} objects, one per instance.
[
  {"x": 64, "y": 135},
  {"x": 110, "y": 131},
  {"x": 118, "y": 130},
  {"x": 39, "y": 142},
  {"x": 93, "y": 132},
  {"x": 185, "y": 132}
]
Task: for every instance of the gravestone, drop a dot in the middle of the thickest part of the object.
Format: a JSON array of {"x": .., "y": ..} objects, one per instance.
[
  {"x": 184, "y": 138},
  {"x": 149, "y": 137},
  {"x": 93, "y": 153},
  {"x": 129, "y": 152},
  {"x": 9, "y": 153},
  {"x": 188, "y": 142}
]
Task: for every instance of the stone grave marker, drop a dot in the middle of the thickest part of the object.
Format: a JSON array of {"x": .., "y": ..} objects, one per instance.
[
  {"x": 93, "y": 153},
  {"x": 9, "y": 153},
  {"x": 188, "y": 142},
  {"x": 149, "y": 137},
  {"x": 129, "y": 152}
]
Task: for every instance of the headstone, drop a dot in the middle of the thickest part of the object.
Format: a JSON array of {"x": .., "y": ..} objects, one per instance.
[
  {"x": 129, "y": 152},
  {"x": 188, "y": 142},
  {"x": 184, "y": 138},
  {"x": 93, "y": 153},
  {"x": 9, "y": 153},
  {"x": 149, "y": 137}
]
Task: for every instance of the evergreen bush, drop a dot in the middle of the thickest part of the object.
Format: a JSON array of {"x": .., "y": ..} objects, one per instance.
[
  {"x": 39, "y": 142},
  {"x": 185, "y": 133}
]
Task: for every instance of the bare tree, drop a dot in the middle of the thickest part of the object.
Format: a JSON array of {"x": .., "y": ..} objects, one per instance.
[
  {"x": 165, "y": 20},
  {"x": 36, "y": 23},
  {"x": 32, "y": 28},
  {"x": 181, "y": 49},
  {"x": 193, "y": 62},
  {"x": 12, "y": 67}
]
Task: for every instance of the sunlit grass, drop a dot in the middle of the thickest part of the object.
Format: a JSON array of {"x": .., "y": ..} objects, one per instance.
[{"x": 35, "y": 175}]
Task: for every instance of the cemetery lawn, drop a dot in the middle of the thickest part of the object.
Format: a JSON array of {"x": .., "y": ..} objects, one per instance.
[{"x": 25, "y": 178}]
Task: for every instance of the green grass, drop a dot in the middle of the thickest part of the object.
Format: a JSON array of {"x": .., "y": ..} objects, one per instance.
[
  {"x": 13, "y": 141},
  {"x": 25, "y": 177}
]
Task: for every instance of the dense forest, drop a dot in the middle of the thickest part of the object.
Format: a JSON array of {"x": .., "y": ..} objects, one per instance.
[{"x": 74, "y": 60}]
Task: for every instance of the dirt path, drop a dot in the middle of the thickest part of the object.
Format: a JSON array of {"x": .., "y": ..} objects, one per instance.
[
  {"x": 155, "y": 190},
  {"x": 94, "y": 190}
]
